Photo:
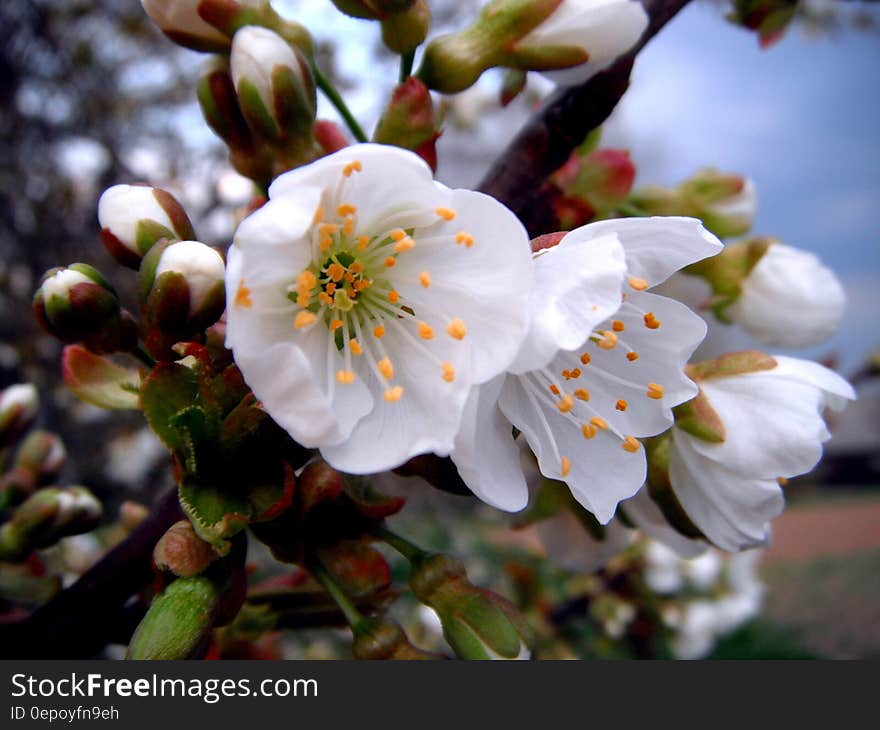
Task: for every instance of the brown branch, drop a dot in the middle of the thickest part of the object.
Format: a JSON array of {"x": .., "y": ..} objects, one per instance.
[
  {"x": 546, "y": 141},
  {"x": 81, "y": 620}
]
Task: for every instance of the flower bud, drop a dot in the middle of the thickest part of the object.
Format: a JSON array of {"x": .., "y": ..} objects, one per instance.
[
  {"x": 77, "y": 304},
  {"x": 372, "y": 9},
  {"x": 181, "y": 551},
  {"x": 276, "y": 91},
  {"x": 181, "y": 22},
  {"x": 329, "y": 136},
  {"x": 405, "y": 31},
  {"x": 182, "y": 293},
  {"x": 789, "y": 299},
  {"x": 19, "y": 405},
  {"x": 381, "y": 638},
  {"x": 726, "y": 203},
  {"x": 47, "y": 516},
  {"x": 178, "y": 621},
  {"x": 134, "y": 217},
  {"x": 477, "y": 623},
  {"x": 43, "y": 454},
  {"x": 769, "y": 18},
  {"x": 592, "y": 185},
  {"x": 409, "y": 121}
]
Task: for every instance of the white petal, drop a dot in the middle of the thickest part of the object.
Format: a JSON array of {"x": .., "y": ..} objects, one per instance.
[
  {"x": 659, "y": 246},
  {"x": 731, "y": 510},
  {"x": 646, "y": 515},
  {"x": 572, "y": 547},
  {"x": 601, "y": 472},
  {"x": 486, "y": 285},
  {"x": 577, "y": 285},
  {"x": 837, "y": 392},
  {"x": 790, "y": 299},
  {"x": 486, "y": 455}
]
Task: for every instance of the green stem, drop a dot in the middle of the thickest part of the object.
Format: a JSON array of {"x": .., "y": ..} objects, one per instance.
[
  {"x": 409, "y": 550},
  {"x": 406, "y": 65},
  {"x": 141, "y": 354},
  {"x": 336, "y": 100},
  {"x": 349, "y": 610}
]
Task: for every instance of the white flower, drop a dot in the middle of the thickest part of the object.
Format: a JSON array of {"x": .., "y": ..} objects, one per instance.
[
  {"x": 594, "y": 373},
  {"x": 365, "y": 299},
  {"x": 773, "y": 428},
  {"x": 604, "y": 29},
  {"x": 736, "y": 211},
  {"x": 201, "y": 266},
  {"x": 789, "y": 299},
  {"x": 180, "y": 21}
]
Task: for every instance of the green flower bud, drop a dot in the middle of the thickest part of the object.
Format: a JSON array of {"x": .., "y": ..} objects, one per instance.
[
  {"x": 405, "y": 31},
  {"x": 19, "y": 405},
  {"x": 381, "y": 638},
  {"x": 409, "y": 121},
  {"x": 181, "y": 551}
]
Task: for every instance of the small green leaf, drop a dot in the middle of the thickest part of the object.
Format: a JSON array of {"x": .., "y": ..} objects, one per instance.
[{"x": 99, "y": 381}]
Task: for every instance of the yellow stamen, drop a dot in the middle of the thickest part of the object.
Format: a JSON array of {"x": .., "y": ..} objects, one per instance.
[
  {"x": 379, "y": 332},
  {"x": 582, "y": 394},
  {"x": 632, "y": 356},
  {"x": 554, "y": 389},
  {"x": 446, "y": 214},
  {"x": 348, "y": 226},
  {"x": 565, "y": 404},
  {"x": 655, "y": 391},
  {"x": 588, "y": 430},
  {"x": 638, "y": 283},
  {"x": 356, "y": 268},
  {"x": 330, "y": 289},
  {"x": 394, "y": 395},
  {"x": 425, "y": 278},
  {"x": 565, "y": 466},
  {"x": 346, "y": 377},
  {"x": 618, "y": 326},
  {"x": 390, "y": 261},
  {"x": 386, "y": 368},
  {"x": 362, "y": 243},
  {"x": 243, "y": 296},
  {"x": 608, "y": 341},
  {"x": 303, "y": 319},
  {"x": 335, "y": 324},
  {"x": 448, "y": 372},
  {"x": 346, "y": 209},
  {"x": 303, "y": 300},
  {"x": 404, "y": 244},
  {"x": 325, "y": 299},
  {"x": 398, "y": 234},
  {"x": 456, "y": 329},
  {"x": 354, "y": 166},
  {"x": 335, "y": 271},
  {"x": 651, "y": 322},
  {"x": 576, "y": 373},
  {"x": 599, "y": 422},
  {"x": 306, "y": 281},
  {"x": 621, "y": 405},
  {"x": 393, "y": 296},
  {"x": 362, "y": 284},
  {"x": 355, "y": 346},
  {"x": 425, "y": 331},
  {"x": 781, "y": 481},
  {"x": 630, "y": 444},
  {"x": 585, "y": 358},
  {"x": 319, "y": 215},
  {"x": 464, "y": 237}
]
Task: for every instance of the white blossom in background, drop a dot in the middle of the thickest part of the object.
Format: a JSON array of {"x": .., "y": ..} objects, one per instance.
[
  {"x": 604, "y": 29},
  {"x": 602, "y": 365},
  {"x": 365, "y": 299},
  {"x": 789, "y": 299},
  {"x": 773, "y": 428}
]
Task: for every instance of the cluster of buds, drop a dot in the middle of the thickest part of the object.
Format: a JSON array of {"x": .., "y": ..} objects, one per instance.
[
  {"x": 572, "y": 39},
  {"x": 726, "y": 203},
  {"x": 779, "y": 294},
  {"x": 592, "y": 184}
]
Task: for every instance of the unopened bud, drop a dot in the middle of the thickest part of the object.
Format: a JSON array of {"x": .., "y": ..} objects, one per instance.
[
  {"x": 381, "y": 638},
  {"x": 406, "y": 30},
  {"x": 131, "y": 514},
  {"x": 769, "y": 18},
  {"x": 134, "y": 217},
  {"x": 698, "y": 418},
  {"x": 43, "y": 454},
  {"x": 592, "y": 185},
  {"x": 182, "y": 293},
  {"x": 178, "y": 621},
  {"x": 77, "y": 304},
  {"x": 181, "y": 551},
  {"x": 409, "y": 121},
  {"x": 181, "y": 22},
  {"x": 329, "y": 136},
  {"x": 276, "y": 91},
  {"x": 19, "y": 405},
  {"x": 725, "y": 202},
  {"x": 47, "y": 516},
  {"x": 477, "y": 623},
  {"x": 372, "y": 9}
]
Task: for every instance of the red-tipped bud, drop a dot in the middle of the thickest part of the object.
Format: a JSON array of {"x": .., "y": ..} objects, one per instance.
[{"x": 409, "y": 121}]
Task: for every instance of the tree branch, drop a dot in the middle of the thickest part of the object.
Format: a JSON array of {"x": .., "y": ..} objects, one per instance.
[{"x": 546, "y": 141}]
